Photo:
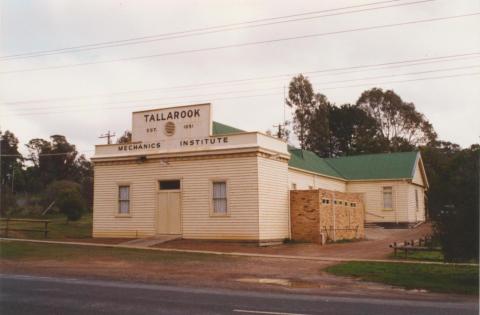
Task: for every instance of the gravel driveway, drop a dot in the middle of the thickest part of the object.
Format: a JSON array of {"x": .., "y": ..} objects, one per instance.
[{"x": 375, "y": 246}]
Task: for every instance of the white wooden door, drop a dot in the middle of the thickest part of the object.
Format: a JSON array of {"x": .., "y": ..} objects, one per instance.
[{"x": 169, "y": 216}]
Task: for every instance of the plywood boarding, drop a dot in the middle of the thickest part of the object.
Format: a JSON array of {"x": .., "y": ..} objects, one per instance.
[
  {"x": 196, "y": 176},
  {"x": 341, "y": 216}
]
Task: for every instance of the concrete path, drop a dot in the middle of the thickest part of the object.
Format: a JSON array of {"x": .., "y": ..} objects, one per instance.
[
  {"x": 151, "y": 241},
  {"x": 295, "y": 257}
]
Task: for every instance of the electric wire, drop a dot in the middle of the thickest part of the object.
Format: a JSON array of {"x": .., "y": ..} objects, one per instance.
[
  {"x": 364, "y": 67},
  {"x": 248, "y": 96},
  {"x": 245, "y": 44},
  {"x": 203, "y": 31}
]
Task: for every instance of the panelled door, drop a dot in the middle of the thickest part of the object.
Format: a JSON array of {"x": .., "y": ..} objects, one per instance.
[{"x": 169, "y": 218}]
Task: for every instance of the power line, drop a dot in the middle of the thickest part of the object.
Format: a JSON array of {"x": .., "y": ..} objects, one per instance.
[
  {"x": 189, "y": 51},
  {"x": 254, "y": 95},
  {"x": 391, "y": 64},
  {"x": 152, "y": 99},
  {"x": 157, "y": 105},
  {"x": 401, "y": 74},
  {"x": 206, "y": 30},
  {"x": 403, "y": 81},
  {"x": 250, "y": 90}
]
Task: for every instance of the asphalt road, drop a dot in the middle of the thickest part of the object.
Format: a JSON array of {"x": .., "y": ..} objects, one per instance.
[{"x": 43, "y": 295}]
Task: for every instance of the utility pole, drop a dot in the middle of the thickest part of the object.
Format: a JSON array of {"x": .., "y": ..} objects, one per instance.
[
  {"x": 280, "y": 131},
  {"x": 108, "y": 135}
]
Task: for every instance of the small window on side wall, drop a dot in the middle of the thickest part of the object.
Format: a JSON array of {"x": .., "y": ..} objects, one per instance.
[
  {"x": 124, "y": 199},
  {"x": 387, "y": 198},
  {"x": 416, "y": 200},
  {"x": 219, "y": 198}
]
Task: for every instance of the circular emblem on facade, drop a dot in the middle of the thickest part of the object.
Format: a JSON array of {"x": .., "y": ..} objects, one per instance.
[{"x": 169, "y": 128}]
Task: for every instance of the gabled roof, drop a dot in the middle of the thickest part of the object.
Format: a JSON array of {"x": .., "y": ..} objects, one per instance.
[
  {"x": 399, "y": 165},
  {"x": 375, "y": 166},
  {"x": 309, "y": 161},
  {"x": 221, "y": 129}
]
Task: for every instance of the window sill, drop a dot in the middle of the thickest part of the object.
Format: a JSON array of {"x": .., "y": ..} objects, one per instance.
[
  {"x": 387, "y": 209},
  {"x": 123, "y": 216},
  {"x": 219, "y": 215}
]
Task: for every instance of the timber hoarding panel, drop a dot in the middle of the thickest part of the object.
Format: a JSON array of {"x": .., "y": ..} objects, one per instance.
[{"x": 338, "y": 219}]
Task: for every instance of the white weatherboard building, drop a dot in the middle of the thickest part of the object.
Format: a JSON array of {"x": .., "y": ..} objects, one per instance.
[{"x": 187, "y": 175}]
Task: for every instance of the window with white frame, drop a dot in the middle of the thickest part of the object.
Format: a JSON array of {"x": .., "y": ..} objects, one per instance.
[
  {"x": 387, "y": 198},
  {"x": 219, "y": 198},
  {"x": 124, "y": 199}
]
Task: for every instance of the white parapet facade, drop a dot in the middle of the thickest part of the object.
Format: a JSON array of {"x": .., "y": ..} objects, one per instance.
[{"x": 177, "y": 146}]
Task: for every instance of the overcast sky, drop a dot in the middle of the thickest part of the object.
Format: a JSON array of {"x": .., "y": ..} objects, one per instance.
[{"x": 84, "y": 101}]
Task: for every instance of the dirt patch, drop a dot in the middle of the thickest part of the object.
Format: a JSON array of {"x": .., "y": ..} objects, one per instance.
[
  {"x": 257, "y": 273},
  {"x": 375, "y": 246}
]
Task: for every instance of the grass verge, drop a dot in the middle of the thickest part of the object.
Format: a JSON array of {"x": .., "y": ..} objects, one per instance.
[
  {"x": 420, "y": 255},
  {"x": 434, "y": 278},
  {"x": 34, "y": 251}
]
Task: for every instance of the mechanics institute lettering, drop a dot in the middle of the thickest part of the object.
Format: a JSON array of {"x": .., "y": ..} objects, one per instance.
[
  {"x": 139, "y": 146},
  {"x": 182, "y": 143},
  {"x": 202, "y": 142}
]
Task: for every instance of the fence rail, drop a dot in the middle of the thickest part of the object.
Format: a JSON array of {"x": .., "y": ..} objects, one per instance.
[{"x": 8, "y": 226}]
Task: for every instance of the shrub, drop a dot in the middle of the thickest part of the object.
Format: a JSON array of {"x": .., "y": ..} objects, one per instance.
[{"x": 71, "y": 204}]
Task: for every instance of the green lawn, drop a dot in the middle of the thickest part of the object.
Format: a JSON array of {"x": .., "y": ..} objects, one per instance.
[
  {"x": 420, "y": 255},
  {"x": 435, "y": 278},
  {"x": 58, "y": 228},
  {"x": 15, "y": 250}
]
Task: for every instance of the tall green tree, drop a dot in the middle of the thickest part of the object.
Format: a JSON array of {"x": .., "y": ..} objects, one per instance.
[
  {"x": 453, "y": 197},
  {"x": 10, "y": 158},
  {"x": 11, "y": 162},
  {"x": 400, "y": 123},
  {"x": 302, "y": 99},
  {"x": 53, "y": 160},
  {"x": 318, "y": 135},
  {"x": 353, "y": 131}
]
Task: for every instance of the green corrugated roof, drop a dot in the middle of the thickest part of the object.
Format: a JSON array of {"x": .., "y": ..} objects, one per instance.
[
  {"x": 309, "y": 161},
  {"x": 357, "y": 167},
  {"x": 375, "y": 166},
  {"x": 221, "y": 129}
]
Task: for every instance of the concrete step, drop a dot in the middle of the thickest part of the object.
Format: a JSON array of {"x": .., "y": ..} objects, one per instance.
[
  {"x": 152, "y": 241},
  {"x": 372, "y": 225}
]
